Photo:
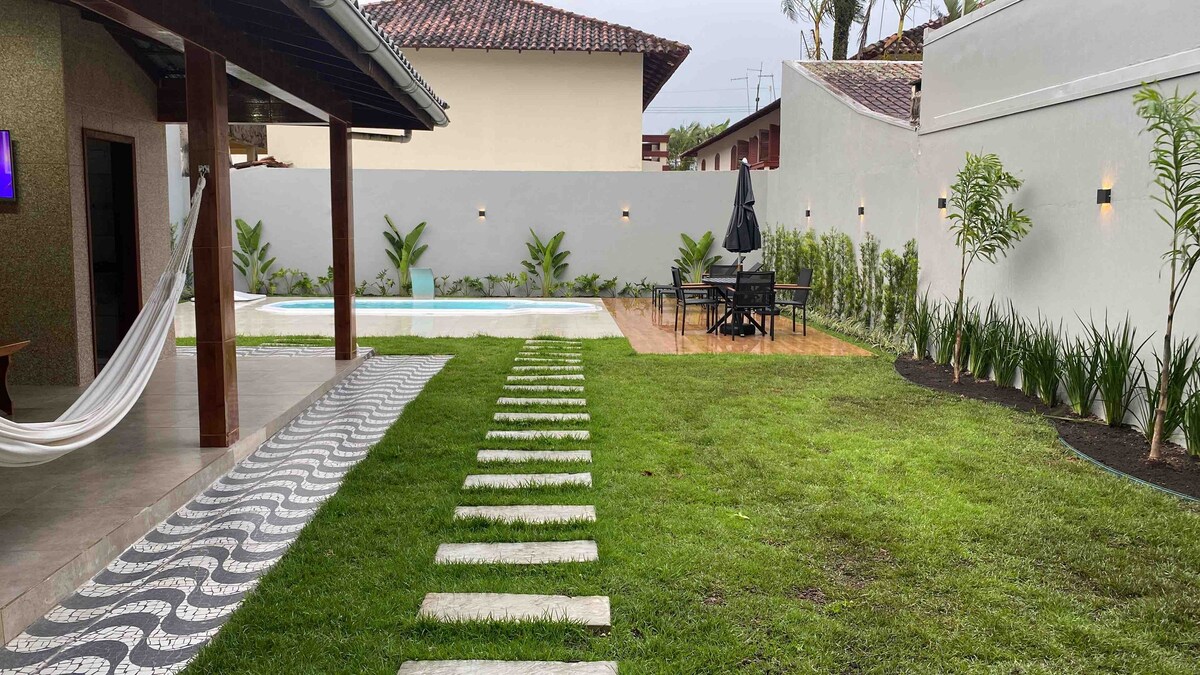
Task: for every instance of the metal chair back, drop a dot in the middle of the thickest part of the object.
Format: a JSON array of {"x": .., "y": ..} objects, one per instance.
[
  {"x": 677, "y": 283},
  {"x": 722, "y": 270},
  {"x": 803, "y": 278},
  {"x": 754, "y": 290}
]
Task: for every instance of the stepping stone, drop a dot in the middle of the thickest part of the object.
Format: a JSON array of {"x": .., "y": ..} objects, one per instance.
[
  {"x": 556, "y": 354},
  {"x": 517, "y": 553},
  {"x": 547, "y": 360},
  {"x": 561, "y": 388},
  {"x": 573, "y": 343},
  {"x": 535, "y": 434},
  {"x": 535, "y": 378},
  {"x": 591, "y": 611},
  {"x": 526, "y": 480},
  {"x": 515, "y": 456},
  {"x": 541, "y": 417},
  {"x": 530, "y": 368},
  {"x": 508, "y": 668},
  {"x": 536, "y": 515},
  {"x": 505, "y": 400}
]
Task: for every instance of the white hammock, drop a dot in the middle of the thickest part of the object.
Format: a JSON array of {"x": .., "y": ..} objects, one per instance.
[{"x": 110, "y": 396}]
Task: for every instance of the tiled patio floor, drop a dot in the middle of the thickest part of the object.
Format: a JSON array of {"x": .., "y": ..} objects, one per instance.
[
  {"x": 652, "y": 332},
  {"x": 63, "y": 521}
]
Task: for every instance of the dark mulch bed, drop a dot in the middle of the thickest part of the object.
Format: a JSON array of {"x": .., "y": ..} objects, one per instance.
[{"x": 1123, "y": 448}]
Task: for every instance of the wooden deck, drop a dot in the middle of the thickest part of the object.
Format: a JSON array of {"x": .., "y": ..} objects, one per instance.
[{"x": 651, "y": 334}]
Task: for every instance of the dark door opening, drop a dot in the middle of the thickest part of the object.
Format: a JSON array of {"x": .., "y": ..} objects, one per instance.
[{"x": 112, "y": 240}]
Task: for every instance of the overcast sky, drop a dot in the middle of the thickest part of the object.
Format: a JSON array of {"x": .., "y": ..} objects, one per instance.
[{"x": 729, "y": 38}]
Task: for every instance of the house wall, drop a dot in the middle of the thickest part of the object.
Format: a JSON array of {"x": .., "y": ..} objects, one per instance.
[
  {"x": 708, "y": 156},
  {"x": 1081, "y": 259},
  {"x": 510, "y": 111},
  {"x": 59, "y": 75},
  {"x": 294, "y": 207}
]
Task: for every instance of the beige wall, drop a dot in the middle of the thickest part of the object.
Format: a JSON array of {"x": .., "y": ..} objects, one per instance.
[
  {"x": 527, "y": 111},
  {"x": 709, "y": 155},
  {"x": 59, "y": 75}
]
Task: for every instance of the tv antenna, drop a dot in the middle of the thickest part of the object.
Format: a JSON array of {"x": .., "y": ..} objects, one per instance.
[{"x": 758, "y": 76}]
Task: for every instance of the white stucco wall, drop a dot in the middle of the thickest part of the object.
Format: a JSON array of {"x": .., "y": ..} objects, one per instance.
[
  {"x": 294, "y": 205},
  {"x": 510, "y": 111}
]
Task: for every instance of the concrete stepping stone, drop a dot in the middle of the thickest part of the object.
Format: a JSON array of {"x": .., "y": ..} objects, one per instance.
[
  {"x": 533, "y": 514},
  {"x": 574, "y": 343},
  {"x": 559, "y": 388},
  {"x": 508, "y": 668},
  {"x": 517, "y": 456},
  {"x": 541, "y": 417},
  {"x": 539, "y": 359},
  {"x": 549, "y": 353},
  {"x": 535, "y": 378},
  {"x": 536, "y": 434},
  {"x": 532, "y": 368},
  {"x": 517, "y": 553},
  {"x": 508, "y": 400},
  {"x": 592, "y": 611},
  {"x": 509, "y": 481}
]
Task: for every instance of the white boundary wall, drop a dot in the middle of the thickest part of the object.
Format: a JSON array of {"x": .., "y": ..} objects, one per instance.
[{"x": 294, "y": 205}]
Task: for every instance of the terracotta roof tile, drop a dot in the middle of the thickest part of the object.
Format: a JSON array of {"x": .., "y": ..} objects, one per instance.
[
  {"x": 523, "y": 25},
  {"x": 884, "y": 87}
]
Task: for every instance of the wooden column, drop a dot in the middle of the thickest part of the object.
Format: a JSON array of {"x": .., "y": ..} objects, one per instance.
[
  {"x": 212, "y": 251},
  {"x": 773, "y": 149},
  {"x": 341, "y": 196}
]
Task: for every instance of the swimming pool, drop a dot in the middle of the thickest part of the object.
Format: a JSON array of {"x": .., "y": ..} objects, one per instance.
[{"x": 440, "y": 306}]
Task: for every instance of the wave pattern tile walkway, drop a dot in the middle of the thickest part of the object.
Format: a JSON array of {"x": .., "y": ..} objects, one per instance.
[{"x": 153, "y": 607}]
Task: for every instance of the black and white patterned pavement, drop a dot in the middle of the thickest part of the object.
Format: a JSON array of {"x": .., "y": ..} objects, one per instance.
[{"x": 161, "y": 600}]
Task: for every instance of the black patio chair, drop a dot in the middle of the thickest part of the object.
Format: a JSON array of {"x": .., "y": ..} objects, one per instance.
[
  {"x": 754, "y": 293},
  {"x": 755, "y": 267},
  {"x": 685, "y": 297},
  {"x": 723, "y": 270},
  {"x": 799, "y": 300}
]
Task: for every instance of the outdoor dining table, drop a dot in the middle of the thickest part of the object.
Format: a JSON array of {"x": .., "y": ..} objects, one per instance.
[{"x": 724, "y": 286}]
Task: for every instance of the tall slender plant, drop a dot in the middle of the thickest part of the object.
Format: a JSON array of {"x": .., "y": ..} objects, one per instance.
[
  {"x": 694, "y": 259},
  {"x": 252, "y": 260},
  {"x": 1175, "y": 160},
  {"x": 815, "y": 12},
  {"x": 404, "y": 252},
  {"x": 546, "y": 262},
  {"x": 984, "y": 228}
]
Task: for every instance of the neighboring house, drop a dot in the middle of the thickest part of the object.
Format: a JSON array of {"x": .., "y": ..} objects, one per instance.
[
  {"x": 910, "y": 46},
  {"x": 656, "y": 152},
  {"x": 754, "y": 138},
  {"x": 534, "y": 88}
]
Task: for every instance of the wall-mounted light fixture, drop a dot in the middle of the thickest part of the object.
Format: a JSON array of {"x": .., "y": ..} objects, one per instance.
[
  {"x": 482, "y": 214},
  {"x": 808, "y": 213},
  {"x": 625, "y": 214},
  {"x": 941, "y": 202},
  {"x": 862, "y": 210},
  {"x": 1104, "y": 196}
]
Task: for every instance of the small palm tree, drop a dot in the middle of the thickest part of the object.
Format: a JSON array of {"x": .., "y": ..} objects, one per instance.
[
  {"x": 546, "y": 263},
  {"x": 957, "y": 9},
  {"x": 812, "y": 11},
  {"x": 403, "y": 252},
  {"x": 693, "y": 260},
  {"x": 903, "y": 8}
]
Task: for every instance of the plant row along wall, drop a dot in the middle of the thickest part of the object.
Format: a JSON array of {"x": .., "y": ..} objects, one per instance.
[{"x": 861, "y": 291}]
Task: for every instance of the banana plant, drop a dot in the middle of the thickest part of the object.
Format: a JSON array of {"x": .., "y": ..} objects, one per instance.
[
  {"x": 252, "y": 261},
  {"x": 693, "y": 260},
  {"x": 404, "y": 252},
  {"x": 546, "y": 262}
]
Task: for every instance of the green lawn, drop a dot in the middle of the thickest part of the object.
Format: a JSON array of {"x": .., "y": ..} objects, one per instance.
[{"x": 756, "y": 515}]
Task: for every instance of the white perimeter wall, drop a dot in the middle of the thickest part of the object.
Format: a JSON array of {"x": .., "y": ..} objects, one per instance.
[{"x": 294, "y": 205}]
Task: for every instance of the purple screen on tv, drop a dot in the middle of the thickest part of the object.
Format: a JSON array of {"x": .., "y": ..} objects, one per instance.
[{"x": 8, "y": 175}]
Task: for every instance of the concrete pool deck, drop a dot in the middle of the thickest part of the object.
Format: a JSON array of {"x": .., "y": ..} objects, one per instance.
[{"x": 251, "y": 320}]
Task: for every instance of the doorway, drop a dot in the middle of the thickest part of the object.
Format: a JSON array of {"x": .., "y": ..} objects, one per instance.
[{"x": 111, "y": 180}]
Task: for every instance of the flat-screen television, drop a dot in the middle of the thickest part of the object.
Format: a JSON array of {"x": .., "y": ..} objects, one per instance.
[{"x": 8, "y": 170}]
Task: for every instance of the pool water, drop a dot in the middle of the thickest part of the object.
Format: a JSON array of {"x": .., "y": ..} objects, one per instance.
[{"x": 441, "y": 306}]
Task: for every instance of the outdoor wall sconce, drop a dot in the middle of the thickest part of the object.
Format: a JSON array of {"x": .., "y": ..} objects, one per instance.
[
  {"x": 808, "y": 213},
  {"x": 862, "y": 210},
  {"x": 625, "y": 214},
  {"x": 941, "y": 202},
  {"x": 1104, "y": 196},
  {"x": 482, "y": 214}
]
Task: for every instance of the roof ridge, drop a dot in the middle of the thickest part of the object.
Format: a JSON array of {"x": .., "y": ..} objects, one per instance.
[{"x": 604, "y": 22}]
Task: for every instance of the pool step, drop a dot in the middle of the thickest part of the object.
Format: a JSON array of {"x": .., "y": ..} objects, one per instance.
[
  {"x": 518, "y": 456},
  {"x": 536, "y": 515},
  {"x": 592, "y": 611},
  {"x": 517, "y": 481}
]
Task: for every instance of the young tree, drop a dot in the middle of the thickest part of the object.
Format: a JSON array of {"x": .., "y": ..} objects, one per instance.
[
  {"x": 903, "y": 8},
  {"x": 814, "y": 12},
  {"x": 1175, "y": 159},
  {"x": 983, "y": 227}
]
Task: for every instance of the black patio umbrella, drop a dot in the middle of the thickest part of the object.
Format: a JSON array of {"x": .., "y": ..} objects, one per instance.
[{"x": 743, "y": 235}]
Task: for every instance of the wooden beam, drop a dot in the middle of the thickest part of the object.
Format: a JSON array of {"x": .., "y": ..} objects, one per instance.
[
  {"x": 212, "y": 250},
  {"x": 246, "y": 105},
  {"x": 247, "y": 58},
  {"x": 341, "y": 198}
]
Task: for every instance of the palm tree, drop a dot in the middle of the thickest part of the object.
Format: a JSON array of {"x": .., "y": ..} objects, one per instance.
[
  {"x": 845, "y": 13},
  {"x": 866, "y": 24},
  {"x": 687, "y": 136},
  {"x": 903, "y": 8},
  {"x": 956, "y": 9},
  {"x": 814, "y": 12}
]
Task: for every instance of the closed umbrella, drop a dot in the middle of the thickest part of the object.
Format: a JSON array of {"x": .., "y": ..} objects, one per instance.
[{"x": 743, "y": 235}]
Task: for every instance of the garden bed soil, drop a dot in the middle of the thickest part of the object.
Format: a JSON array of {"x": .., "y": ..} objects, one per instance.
[{"x": 1121, "y": 448}]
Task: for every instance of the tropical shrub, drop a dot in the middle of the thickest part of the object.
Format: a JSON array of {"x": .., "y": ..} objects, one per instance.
[
  {"x": 943, "y": 328},
  {"x": 921, "y": 323},
  {"x": 1041, "y": 363},
  {"x": 1191, "y": 423},
  {"x": 586, "y": 285},
  {"x": 1182, "y": 371},
  {"x": 251, "y": 257},
  {"x": 1009, "y": 349},
  {"x": 871, "y": 279},
  {"x": 694, "y": 259},
  {"x": 404, "y": 252},
  {"x": 1080, "y": 366},
  {"x": 1116, "y": 381},
  {"x": 383, "y": 283},
  {"x": 546, "y": 262}
]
